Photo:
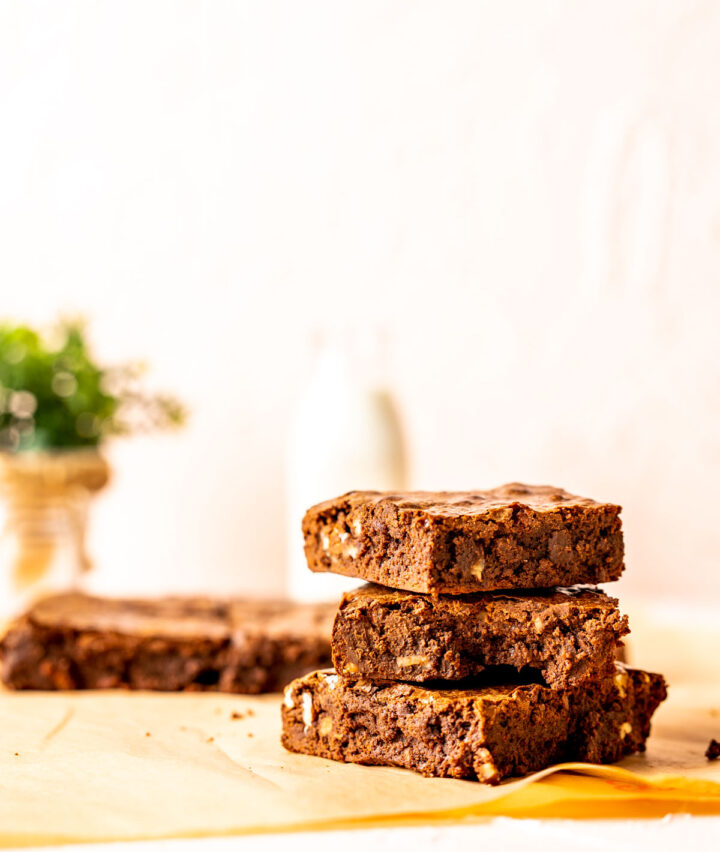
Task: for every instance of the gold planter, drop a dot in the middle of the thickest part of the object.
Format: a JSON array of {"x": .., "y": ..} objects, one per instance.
[{"x": 46, "y": 497}]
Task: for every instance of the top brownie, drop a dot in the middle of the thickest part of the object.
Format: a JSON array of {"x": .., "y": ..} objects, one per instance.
[{"x": 512, "y": 537}]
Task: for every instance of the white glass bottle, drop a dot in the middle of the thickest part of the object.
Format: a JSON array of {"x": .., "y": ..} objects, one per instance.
[{"x": 345, "y": 436}]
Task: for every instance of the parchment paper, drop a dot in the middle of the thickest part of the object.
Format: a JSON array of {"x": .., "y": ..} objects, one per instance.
[{"x": 120, "y": 766}]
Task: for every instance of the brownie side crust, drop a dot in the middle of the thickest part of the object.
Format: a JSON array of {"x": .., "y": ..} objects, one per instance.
[
  {"x": 485, "y": 734},
  {"x": 80, "y": 642},
  {"x": 514, "y": 536},
  {"x": 566, "y": 635}
]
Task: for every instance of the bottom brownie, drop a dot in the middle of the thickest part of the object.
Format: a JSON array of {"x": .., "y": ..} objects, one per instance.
[
  {"x": 75, "y": 641},
  {"x": 487, "y": 734}
]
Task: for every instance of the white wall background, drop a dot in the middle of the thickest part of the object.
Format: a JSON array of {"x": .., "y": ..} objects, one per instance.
[{"x": 526, "y": 194}]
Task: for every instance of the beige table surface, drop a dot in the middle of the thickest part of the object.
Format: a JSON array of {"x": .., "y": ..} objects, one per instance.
[{"x": 94, "y": 767}]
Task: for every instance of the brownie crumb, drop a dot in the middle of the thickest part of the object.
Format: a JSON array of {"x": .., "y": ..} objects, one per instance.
[
  {"x": 250, "y": 734},
  {"x": 210, "y": 740},
  {"x": 17, "y": 754},
  {"x": 713, "y": 750},
  {"x": 147, "y": 733},
  {"x": 235, "y": 715}
]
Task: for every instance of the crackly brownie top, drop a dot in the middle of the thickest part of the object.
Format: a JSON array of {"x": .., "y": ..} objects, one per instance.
[
  {"x": 455, "y": 504},
  {"x": 580, "y": 597},
  {"x": 182, "y": 617}
]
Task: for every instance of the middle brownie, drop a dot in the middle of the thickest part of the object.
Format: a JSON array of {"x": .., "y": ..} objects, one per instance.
[{"x": 563, "y": 636}]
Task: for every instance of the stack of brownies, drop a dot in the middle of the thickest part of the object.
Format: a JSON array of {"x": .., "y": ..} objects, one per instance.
[{"x": 478, "y": 656}]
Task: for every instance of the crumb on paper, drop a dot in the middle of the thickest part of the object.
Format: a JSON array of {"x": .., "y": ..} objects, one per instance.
[
  {"x": 147, "y": 733},
  {"x": 210, "y": 740},
  {"x": 713, "y": 750},
  {"x": 250, "y": 734},
  {"x": 235, "y": 715},
  {"x": 17, "y": 754},
  {"x": 249, "y": 712}
]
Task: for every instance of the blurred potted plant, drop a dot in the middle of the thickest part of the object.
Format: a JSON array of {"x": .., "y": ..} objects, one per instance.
[{"x": 57, "y": 409}]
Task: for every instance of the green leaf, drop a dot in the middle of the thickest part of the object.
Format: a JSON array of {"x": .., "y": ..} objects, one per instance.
[{"x": 79, "y": 402}]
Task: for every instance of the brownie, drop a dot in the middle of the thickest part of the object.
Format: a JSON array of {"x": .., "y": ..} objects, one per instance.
[
  {"x": 713, "y": 750},
  {"x": 74, "y": 641},
  {"x": 512, "y": 537},
  {"x": 563, "y": 636},
  {"x": 486, "y": 733}
]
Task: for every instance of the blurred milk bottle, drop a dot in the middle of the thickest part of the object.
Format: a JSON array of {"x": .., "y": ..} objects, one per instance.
[{"x": 345, "y": 436}]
